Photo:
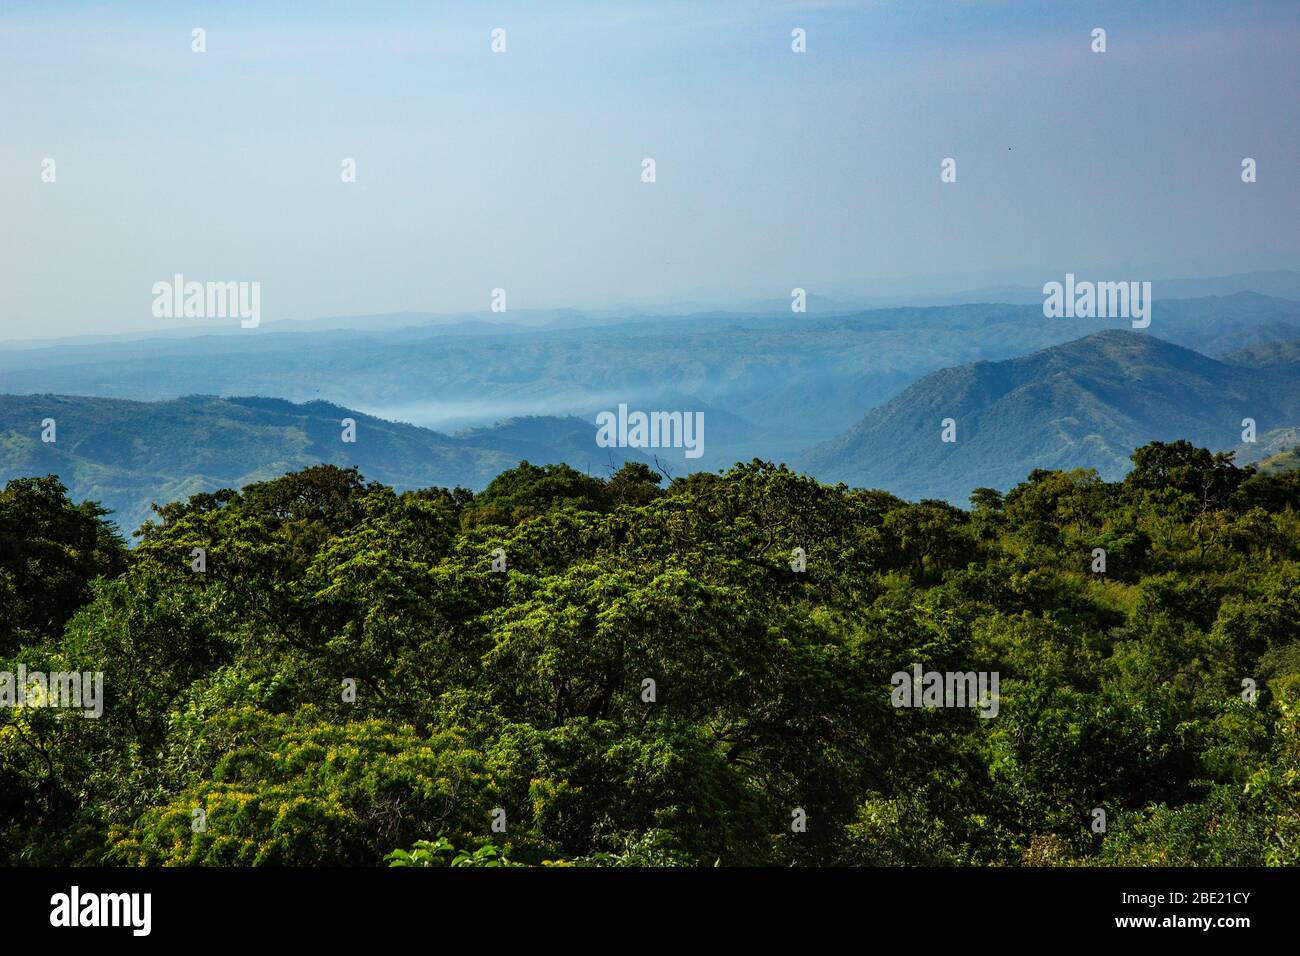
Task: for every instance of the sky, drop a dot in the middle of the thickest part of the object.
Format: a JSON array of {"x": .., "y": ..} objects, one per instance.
[{"x": 522, "y": 170}]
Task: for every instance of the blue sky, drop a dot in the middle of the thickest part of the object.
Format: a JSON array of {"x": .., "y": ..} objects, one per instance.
[{"x": 522, "y": 170}]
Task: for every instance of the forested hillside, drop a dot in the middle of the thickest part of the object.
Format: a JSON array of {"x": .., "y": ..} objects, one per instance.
[
  {"x": 128, "y": 455},
  {"x": 318, "y": 670},
  {"x": 1086, "y": 403}
]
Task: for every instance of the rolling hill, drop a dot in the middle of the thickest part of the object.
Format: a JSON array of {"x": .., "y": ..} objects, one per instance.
[
  {"x": 127, "y": 454},
  {"x": 771, "y": 384},
  {"x": 1266, "y": 354},
  {"x": 1087, "y": 403}
]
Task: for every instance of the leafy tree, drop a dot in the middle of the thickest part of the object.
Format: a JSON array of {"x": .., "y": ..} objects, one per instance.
[{"x": 50, "y": 552}]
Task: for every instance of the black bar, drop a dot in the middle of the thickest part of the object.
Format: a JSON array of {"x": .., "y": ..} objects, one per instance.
[{"x": 385, "y": 906}]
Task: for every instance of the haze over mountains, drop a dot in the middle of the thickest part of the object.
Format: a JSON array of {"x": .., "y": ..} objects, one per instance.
[
  {"x": 774, "y": 384},
  {"x": 837, "y": 299},
  {"x": 857, "y": 397}
]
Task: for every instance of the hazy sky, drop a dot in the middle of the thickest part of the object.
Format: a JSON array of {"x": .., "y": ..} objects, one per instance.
[{"x": 522, "y": 170}]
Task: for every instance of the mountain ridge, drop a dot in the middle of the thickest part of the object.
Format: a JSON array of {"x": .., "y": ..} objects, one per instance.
[
  {"x": 127, "y": 453},
  {"x": 1085, "y": 403}
]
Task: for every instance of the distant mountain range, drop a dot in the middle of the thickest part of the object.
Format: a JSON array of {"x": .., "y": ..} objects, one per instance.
[
  {"x": 1023, "y": 287},
  {"x": 788, "y": 387},
  {"x": 1087, "y": 403},
  {"x": 127, "y": 454},
  {"x": 1280, "y": 283},
  {"x": 771, "y": 385}
]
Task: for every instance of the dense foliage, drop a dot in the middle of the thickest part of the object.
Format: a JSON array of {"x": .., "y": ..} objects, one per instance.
[{"x": 352, "y": 678}]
